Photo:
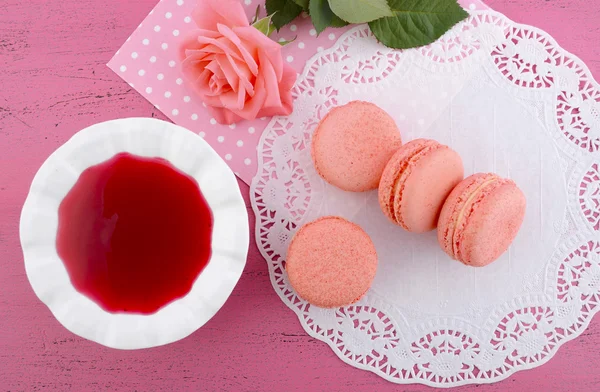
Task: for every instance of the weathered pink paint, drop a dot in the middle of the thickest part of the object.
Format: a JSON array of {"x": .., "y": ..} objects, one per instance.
[{"x": 53, "y": 82}]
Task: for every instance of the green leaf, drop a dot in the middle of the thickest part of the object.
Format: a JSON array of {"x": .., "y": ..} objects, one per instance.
[
  {"x": 338, "y": 22},
  {"x": 265, "y": 25},
  {"x": 320, "y": 14},
  {"x": 283, "y": 43},
  {"x": 302, "y": 3},
  {"x": 283, "y": 11},
  {"x": 360, "y": 11},
  {"x": 417, "y": 22},
  {"x": 256, "y": 14}
]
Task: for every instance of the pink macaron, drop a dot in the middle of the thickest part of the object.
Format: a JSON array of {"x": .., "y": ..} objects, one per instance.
[
  {"x": 352, "y": 144},
  {"x": 416, "y": 182},
  {"x": 481, "y": 218},
  {"x": 331, "y": 262}
]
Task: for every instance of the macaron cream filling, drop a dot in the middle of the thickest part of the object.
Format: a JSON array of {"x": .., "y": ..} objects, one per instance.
[
  {"x": 403, "y": 173},
  {"x": 468, "y": 205}
]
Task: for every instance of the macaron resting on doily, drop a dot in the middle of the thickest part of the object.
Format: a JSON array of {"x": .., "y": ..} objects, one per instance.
[
  {"x": 416, "y": 182},
  {"x": 481, "y": 218},
  {"x": 352, "y": 145},
  {"x": 331, "y": 262}
]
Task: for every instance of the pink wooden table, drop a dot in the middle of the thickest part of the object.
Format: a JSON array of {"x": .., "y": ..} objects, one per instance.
[{"x": 53, "y": 82}]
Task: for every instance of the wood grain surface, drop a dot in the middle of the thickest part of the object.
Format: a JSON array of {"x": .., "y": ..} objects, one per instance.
[{"x": 54, "y": 82}]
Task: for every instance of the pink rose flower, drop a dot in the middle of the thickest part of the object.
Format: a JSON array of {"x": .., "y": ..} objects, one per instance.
[{"x": 237, "y": 70}]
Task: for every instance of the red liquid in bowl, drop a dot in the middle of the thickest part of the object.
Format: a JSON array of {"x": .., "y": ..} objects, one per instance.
[{"x": 134, "y": 234}]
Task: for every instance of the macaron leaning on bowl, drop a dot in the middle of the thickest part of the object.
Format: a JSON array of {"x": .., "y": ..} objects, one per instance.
[
  {"x": 415, "y": 183},
  {"x": 481, "y": 218}
]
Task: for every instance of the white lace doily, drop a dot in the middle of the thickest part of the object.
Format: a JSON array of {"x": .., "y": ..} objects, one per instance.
[{"x": 509, "y": 100}]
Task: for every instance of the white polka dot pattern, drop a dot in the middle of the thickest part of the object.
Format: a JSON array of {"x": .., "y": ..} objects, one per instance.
[{"x": 148, "y": 61}]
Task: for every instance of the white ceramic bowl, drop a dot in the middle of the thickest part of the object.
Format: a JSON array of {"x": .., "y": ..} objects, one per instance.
[{"x": 147, "y": 138}]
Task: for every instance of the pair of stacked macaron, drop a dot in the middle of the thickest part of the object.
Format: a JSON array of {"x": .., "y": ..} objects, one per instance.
[
  {"x": 357, "y": 147},
  {"x": 477, "y": 218}
]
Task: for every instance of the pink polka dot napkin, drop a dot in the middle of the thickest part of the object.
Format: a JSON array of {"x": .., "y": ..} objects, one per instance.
[{"x": 148, "y": 62}]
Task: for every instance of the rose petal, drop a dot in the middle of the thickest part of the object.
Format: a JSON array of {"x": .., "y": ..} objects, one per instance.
[
  {"x": 242, "y": 48},
  {"x": 255, "y": 38},
  {"x": 272, "y": 49},
  {"x": 285, "y": 106},
  {"x": 219, "y": 89},
  {"x": 218, "y": 86},
  {"x": 198, "y": 55},
  {"x": 245, "y": 76},
  {"x": 216, "y": 69},
  {"x": 195, "y": 64},
  {"x": 208, "y": 13},
  {"x": 285, "y": 91},
  {"x": 190, "y": 41},
  {"x": 289, "y": 78},
  {"x": 242, "y": 95},
  {"x": 214, "y": 89},
  {"x": 232, "y": 77},
  {"x": 222, "y": 45},
  {"x": 276, "y": 60},
  {"x": 285, "y": 109},
  {"x": 254, "y": 104},
  {"x": 206, "y": 49},
  {"x": 223, "y": 116},
  {"x": 240, "y": 69},
  {"x": 192, "y": 68},
  {"x": 202, "y": 83},
  {"x": 212, "y": 101},
  {"x": 209, "y": 86},
  {"x": 230, "y": 101},
  {"x": 270, "y": 78},
  {"x": 224, "y": 85},
  {"x": 230, "y": 117}
]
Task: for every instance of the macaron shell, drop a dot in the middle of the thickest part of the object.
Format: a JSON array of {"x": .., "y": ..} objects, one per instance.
[
  {"x": 454, "y": 205},
  {"x": 492, "y": 225},
  {"x": 474, "y": 198},
  {"x": 426, "y": 187},
  {"x": 393, "y": 170},
  {"x": 352, "y": 145},
  {"x": 331, "y": 262}
]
